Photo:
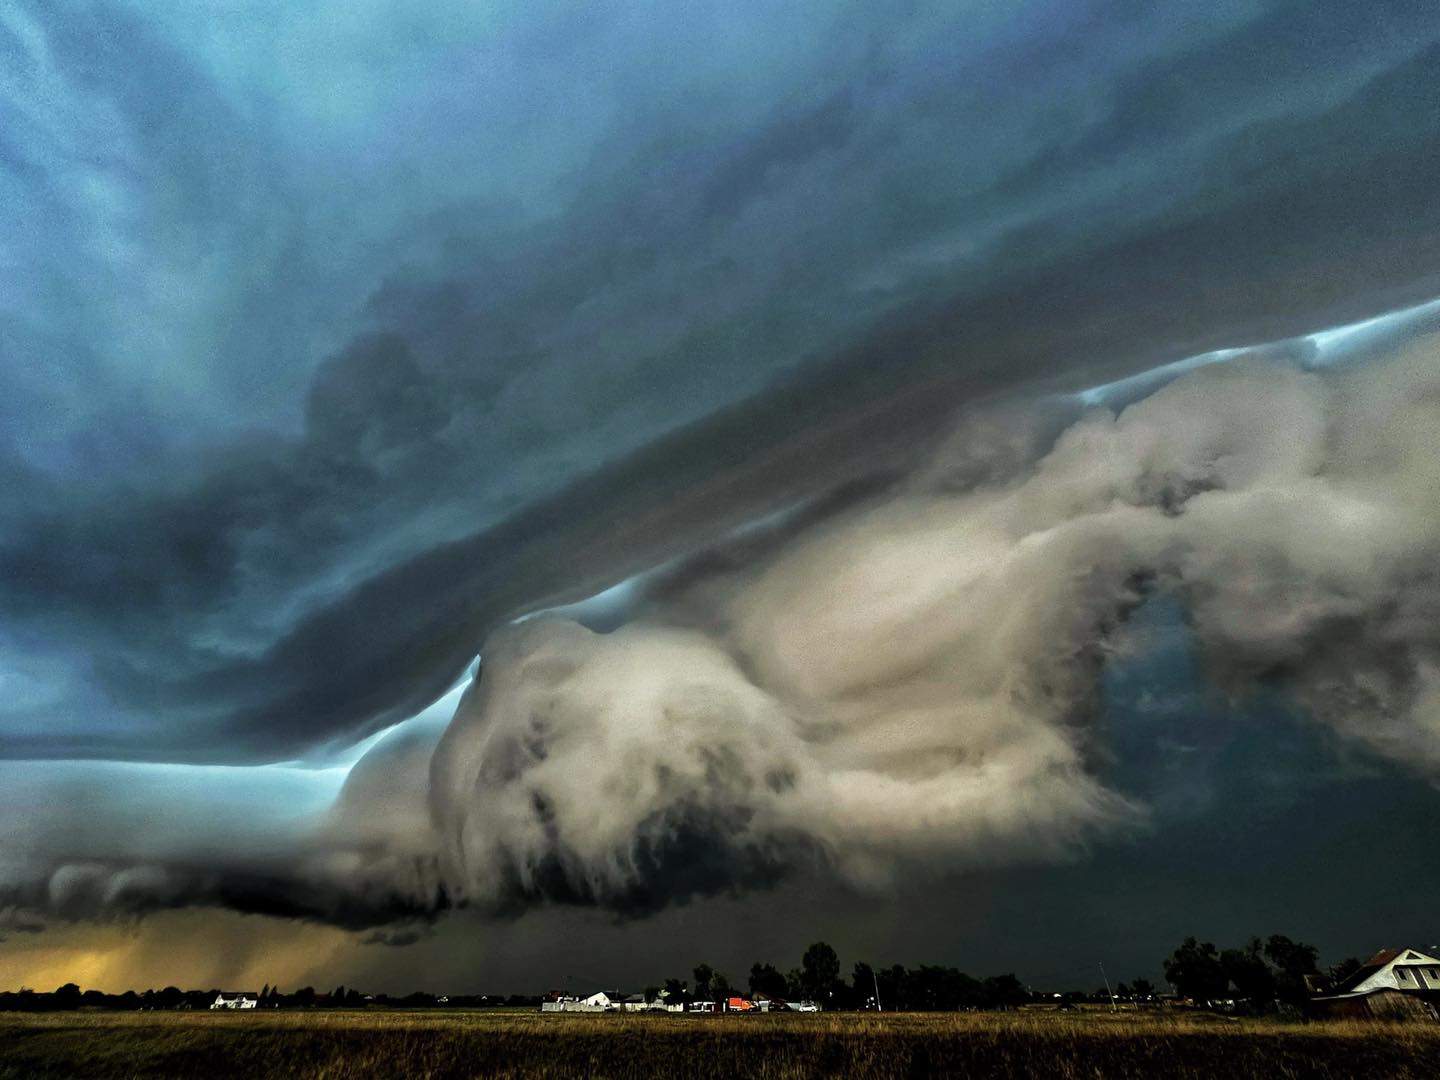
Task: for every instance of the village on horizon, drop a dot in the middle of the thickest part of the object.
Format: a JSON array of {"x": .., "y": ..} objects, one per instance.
[{"x": 1393, "y": 984}]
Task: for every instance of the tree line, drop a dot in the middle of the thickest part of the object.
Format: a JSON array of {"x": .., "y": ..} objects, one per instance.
[
  {"x": 70, "y": 996},
  {"x": 1259, "y": 975},
  {"x": 818, "y": 979}
]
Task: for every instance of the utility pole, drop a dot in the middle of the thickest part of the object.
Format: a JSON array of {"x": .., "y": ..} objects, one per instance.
[
  {"x": 1113, "y": 1006},
  {"x": 876, "y": 983}
]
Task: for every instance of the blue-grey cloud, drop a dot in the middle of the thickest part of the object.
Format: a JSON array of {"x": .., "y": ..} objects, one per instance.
[{"x": 333, "y": 339}]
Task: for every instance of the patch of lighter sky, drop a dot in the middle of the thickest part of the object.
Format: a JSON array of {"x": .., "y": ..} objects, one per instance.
[{"x": 1333, "y": 346}]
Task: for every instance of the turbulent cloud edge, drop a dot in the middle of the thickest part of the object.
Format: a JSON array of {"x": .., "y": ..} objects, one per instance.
[{"x": 908, "y": 684}]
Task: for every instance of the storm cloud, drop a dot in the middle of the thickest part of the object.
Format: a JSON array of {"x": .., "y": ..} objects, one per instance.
[
  {"x": 908, "y": 685},
  {"x": 597, "y": 327},
  {"x": 798, "y": 452}
]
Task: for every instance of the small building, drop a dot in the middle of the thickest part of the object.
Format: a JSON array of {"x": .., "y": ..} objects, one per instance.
[
  {"x": 1394, "y": 984},
  {"x": 237, "y": 1000},
  {"x": 600, "y": 1001}
]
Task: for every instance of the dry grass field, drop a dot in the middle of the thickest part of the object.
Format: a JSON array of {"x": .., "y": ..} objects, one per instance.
[{"x": 336, "y": 1045}]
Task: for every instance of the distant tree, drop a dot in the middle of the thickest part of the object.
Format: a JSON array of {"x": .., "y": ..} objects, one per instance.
[
  {"x": 1142, "y": 989},
  {"x": 1194, "y": 969},
  {"x": 719, "y": 986},
  {"x": 765, "y": 981},
  {"x": 1247, "y": 969},
  {"x": 794, "y": 984},
  {"x": 337, "y": 996},
  {"x": 652, "y": 993},
  {"x": 674, "y": 990},
  {"x": 843, "y": 996},
  {"x": 1005, "y": 992},
  {"x": 1338, "y": 973},
  {"x": 1293, "y": 961},
  {"x": 819, "y": 970},
  {"x": 704, "y": 975},
  {"x": 1292, "y": 957},
  {"x": 66, "y": 997},
  {"x": 863, "y": 982},
  {"x": 894, "y": 992},
  {"x": 943, "y": 989}
]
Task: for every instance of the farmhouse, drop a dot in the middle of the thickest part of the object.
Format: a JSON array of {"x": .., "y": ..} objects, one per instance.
[
  {"x": 600, "y": 1001},
  {"x": 1397, "y": 969},
  {"x": 236, "y": 1000},
  {"x": 1392, "y": 984}
]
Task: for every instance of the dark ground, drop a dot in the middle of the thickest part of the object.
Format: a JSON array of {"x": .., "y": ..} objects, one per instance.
[{"x": 455, "y": 1044}]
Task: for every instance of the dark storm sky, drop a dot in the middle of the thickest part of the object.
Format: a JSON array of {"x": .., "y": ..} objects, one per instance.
[{"x": 335, "y": 337}]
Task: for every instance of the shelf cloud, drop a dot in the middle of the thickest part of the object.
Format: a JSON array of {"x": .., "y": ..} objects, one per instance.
[
  {"x": 909, "y": 682},
  {"x": 491, "y": 458}
]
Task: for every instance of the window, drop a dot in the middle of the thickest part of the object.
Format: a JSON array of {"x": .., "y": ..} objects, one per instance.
[{"x": 1402, "y": 974}]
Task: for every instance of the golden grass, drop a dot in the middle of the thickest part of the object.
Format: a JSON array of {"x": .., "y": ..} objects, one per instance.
[{"x": 336, "y": 1045}]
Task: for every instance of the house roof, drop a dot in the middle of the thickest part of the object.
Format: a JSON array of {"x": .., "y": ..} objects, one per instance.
[{"x": 1374, "y": 964}]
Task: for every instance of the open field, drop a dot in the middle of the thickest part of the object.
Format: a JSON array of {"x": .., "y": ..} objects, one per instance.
[{"x": 335, "y": 1045}]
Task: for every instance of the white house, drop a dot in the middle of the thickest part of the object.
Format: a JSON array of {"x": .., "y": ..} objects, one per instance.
[
  {"x": 234, "y": 1001},
  {"x": 600, "y": 1001},
  {"x": 1394, "y": 984},
  {"x": 1395, "y": 969}
]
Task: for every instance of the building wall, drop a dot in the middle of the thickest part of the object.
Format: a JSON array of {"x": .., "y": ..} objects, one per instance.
[{"x": 1378, "y": 1005}]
